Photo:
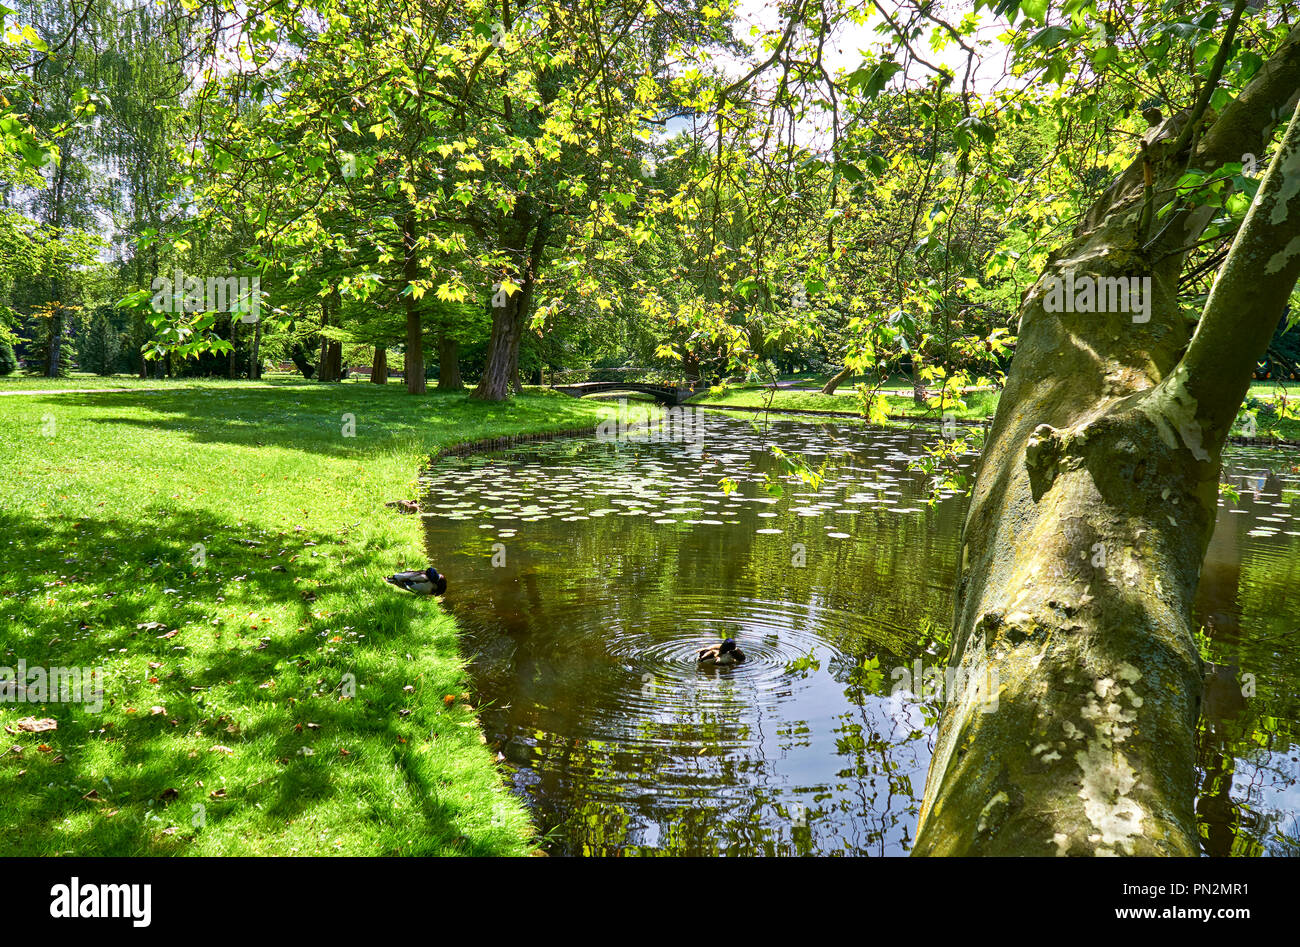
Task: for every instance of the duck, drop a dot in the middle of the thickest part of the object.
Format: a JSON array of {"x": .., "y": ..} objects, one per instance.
[
  {"x": 422, "y": 582},
  {"x": 723, "y": 654}
]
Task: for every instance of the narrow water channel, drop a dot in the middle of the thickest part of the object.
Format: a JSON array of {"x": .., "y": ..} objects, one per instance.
[{"x": 587, "y": 571}]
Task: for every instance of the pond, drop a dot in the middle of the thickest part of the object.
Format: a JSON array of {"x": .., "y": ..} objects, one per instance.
[{"x": 586, "y": 572}]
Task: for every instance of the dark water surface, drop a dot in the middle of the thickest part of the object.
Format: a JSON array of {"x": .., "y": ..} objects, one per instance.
[{"x": 587, "y": 572}]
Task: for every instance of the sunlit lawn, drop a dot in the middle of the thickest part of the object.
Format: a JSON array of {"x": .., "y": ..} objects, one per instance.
[
  {"x": 245, "y": 523},
  {"x": 978, "y": 404}
]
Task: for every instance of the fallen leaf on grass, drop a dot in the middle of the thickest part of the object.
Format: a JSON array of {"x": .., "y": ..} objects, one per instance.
[{"x": 32, "y": 725}]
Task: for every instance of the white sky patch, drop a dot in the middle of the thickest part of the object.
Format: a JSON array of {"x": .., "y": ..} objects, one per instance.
[{"x": 846, "y": 49}]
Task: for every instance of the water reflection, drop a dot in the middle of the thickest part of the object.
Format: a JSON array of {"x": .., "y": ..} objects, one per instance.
[
  {"x": 1249, "y": 605},
  {"x": 586, "y": 574}
]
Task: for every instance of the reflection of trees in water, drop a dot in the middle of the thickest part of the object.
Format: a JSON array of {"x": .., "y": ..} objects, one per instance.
[
  {"x": 607, "y": 773},
  {"x": 869, "y": 738},
  {"x": 1245, "y": 741}
]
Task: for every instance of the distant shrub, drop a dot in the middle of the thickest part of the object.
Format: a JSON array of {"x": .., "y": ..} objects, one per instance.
[{"x": 8, "y": 361}]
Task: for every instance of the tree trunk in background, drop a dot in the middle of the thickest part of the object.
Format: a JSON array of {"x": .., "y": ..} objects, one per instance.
[
  {"x": 414, "y": 359},
  {"x": 322, "y": 354},
  {"x": 299, "y": 357},
  {"x": 145, "y": 329},
  {"x": 839, "y": 378},
  {"x": 1094, "y": 501},
  {"x": 502, "y": 343},
  {"x": 379, "y": 366},
  {"x": 255, "y": 365},
  {"x": 502, "y": 365},
  {"x": 231, "y": 367},
  {"x": 322, "y": 373},
  {"x": 56, "y": 337},
  {"x": 330, "y": 366},
  {"x": 449, "y": 364},
  {"x": 58, "y": 322},
  {"x": 918, "y": 385}
]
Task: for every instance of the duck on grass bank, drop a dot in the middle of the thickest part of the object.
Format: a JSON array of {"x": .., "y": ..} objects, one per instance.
[
  {"x": 427, "y": 582},
  {"x": 723, "y": 654}
]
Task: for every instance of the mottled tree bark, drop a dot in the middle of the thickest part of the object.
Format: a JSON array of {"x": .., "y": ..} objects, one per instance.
[{"x": 1093, "y": 505}]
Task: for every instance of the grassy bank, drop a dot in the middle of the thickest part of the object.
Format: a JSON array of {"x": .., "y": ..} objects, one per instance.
[
  {"x": 286, "y": 701},
  {"x": 979, "y": 404}
]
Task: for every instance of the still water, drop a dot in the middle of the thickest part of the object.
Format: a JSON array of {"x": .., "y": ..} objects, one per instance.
[{"x": 586, "y": 573}]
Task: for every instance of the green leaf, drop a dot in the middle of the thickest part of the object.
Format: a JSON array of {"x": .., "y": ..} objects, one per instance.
[
  {"x": 1034, "y": 9},
  {"x": 1104, "y": 57}
]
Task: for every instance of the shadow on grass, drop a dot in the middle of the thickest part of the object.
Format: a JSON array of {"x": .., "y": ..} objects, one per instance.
[
  {"x": 343, "y": 421},
  {"x": 238, "y": 707}
]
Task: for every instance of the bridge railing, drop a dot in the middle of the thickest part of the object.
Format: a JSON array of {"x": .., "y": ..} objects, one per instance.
[{"x": 645, "y": 376}]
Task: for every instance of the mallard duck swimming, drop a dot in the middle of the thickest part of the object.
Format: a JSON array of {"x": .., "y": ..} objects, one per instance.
[
  {"x": 720, "y": 655},
  {"x": 427, "y": 582}
]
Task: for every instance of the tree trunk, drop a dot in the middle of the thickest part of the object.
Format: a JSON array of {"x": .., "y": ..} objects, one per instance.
[
  {"x": 58, "y": 322},
  {"x": 56, "y": 337},
  {"x": 299, "y": 357},
  {"x": 502, "y": 366},
  {"x": 502, "y": 344},
  {"x": 1093, "y": 504},
  {"x": 839, "y": 378},
  {"x": 231, "y": 368},
  {"x": 379, "y": 366},
  {"x": 255, "y": 365},
  {"x": 414, "y": 358},
  {"x": 330, "y": 366},
  {"x": 449, "y": 364},
  {"x": 322, "y": 354}
]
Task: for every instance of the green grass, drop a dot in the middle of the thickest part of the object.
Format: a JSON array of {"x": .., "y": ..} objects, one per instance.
[
  {"x": 238, "y": 721},
  {"x": 978, "y": 404},
  {"x": 20, "y": 382},
  {"x": 86, "y": 380}
]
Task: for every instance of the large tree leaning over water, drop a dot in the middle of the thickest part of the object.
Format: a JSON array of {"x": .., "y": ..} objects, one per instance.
[{"x": 1093, "y": 506}]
